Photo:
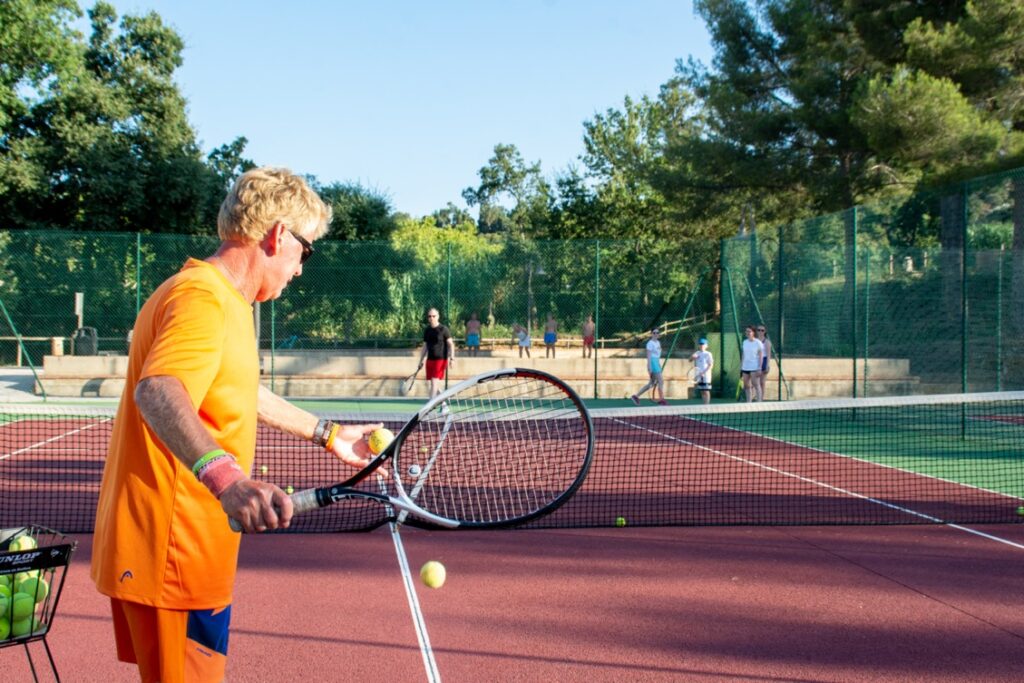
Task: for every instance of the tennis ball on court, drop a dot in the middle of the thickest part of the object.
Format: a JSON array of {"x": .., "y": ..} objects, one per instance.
[
  {"x": 289, "y": 490},
  {"x": 36, "y": 587},
  {"x": 264, "y": 469},
  {"x": 23, "y": 627},
  {"x": 433, "y": 574},
  {"x": 379, "y": 440},
  {"x": 22, "y": 605},
  {"x": 5, "y": 628},
  {"x": 620, "y": 521},
  {"x": 23, "y": 542}
]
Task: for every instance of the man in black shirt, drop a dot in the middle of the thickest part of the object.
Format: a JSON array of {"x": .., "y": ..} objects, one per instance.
[{"x": 439, "y": 350}]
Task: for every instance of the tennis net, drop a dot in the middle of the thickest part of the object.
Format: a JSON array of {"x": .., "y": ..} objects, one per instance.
[{"x": 906, "y": 460}]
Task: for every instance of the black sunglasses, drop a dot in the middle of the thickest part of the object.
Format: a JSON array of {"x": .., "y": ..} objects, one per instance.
[{"x": 307, "y": 248}]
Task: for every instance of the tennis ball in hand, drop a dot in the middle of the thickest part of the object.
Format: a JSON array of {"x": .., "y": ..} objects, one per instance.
[
  {"x": 433, "y": 574},
  {"x": 379, "y": 440},
  {"x": 620, "y": 521},
  {"x": 23, "y": 542},
  {"x": 36, "y": 587}
]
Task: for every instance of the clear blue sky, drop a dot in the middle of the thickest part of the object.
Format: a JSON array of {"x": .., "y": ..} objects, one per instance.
[{"x": 409, "y": 98}]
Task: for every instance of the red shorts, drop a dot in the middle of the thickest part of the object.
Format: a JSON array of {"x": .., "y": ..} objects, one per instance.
[
  {"x": 436, "y": 368},
  {"x": 588, "y": 341}
]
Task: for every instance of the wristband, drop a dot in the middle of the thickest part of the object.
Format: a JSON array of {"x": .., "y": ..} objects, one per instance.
[
  {"x": 330, "y": 438},
  {"x": 318, "y": 433},
  {"x": 220, "y": 473},
  {"x": 201, "y": 462}
]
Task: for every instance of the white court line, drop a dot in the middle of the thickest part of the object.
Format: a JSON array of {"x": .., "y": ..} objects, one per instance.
[
  {"x": 419, "y": 624},
  {"x": 52, "y": 439},
  {"x": 822, "y": 484}
]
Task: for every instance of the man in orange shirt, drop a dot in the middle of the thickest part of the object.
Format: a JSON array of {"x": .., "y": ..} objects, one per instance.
[{"x": 185, "y": 435}]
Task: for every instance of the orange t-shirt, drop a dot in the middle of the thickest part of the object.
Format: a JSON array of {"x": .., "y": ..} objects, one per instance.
[{"x": 161, "y": 537}]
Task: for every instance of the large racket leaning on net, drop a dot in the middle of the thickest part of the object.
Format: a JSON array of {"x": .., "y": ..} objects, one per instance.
[{"x": 495, "y": 450}]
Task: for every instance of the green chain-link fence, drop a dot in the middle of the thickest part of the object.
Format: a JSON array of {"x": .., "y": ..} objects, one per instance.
[{"x": 943, "y": 318}]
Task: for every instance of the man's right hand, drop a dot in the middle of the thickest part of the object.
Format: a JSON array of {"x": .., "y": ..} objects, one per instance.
[{"x": 257, "y": 505}]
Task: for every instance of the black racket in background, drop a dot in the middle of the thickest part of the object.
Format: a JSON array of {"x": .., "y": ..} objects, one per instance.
[{"x": 495, "y": 450}]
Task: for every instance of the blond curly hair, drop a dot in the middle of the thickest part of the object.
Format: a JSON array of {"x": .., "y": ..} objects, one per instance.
[{"x": 264, "y": 196}]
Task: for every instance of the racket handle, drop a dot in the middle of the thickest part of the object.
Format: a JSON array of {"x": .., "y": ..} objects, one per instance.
[{"x": 302, "y": 501}]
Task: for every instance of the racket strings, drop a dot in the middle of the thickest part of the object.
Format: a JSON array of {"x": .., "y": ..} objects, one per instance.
[{"x": 501, "y": 450}]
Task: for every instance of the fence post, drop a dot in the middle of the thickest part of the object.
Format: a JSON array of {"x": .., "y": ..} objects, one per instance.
[
  {"x": 138, "y": 273},
  {"x": 867, "y": 311},
  {"x": 963, "y": 292},
  {"x": 782, "y": 310},
  {"x": 597, "y": 307},
  {"x": 999, "y": 319},
  {"x": 853, "y": 301}
]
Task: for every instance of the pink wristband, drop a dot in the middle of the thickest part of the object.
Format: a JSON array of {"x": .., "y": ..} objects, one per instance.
[{"x": 221, "y": 473}]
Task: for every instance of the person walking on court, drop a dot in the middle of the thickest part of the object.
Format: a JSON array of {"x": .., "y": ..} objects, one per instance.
[
  {"x": 522, "y": 338},
  {"x": 184, "y": 440},
  {"x": 703, "y": 361},
  {"x": 438, "y": 349},
  {"x": 550, "y": 336},
  {"x": 589, "y": 329},
  {"x": 656, "y": 382},
  {"x": 766, "y": 360},
  {"x": 752, "y": 352},
  {"x": 473, "y": 335}
]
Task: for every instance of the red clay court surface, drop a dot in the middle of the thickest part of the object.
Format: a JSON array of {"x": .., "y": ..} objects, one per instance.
[{"x": 896, "y": 603}]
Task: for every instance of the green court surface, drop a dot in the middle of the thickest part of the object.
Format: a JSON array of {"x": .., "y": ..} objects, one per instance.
[{"x": 976, "y": 445}]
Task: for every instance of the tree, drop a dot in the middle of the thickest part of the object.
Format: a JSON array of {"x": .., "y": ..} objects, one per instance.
[
  {"x": 359, "y": 213},
  {"x": 513, "y": 197}
]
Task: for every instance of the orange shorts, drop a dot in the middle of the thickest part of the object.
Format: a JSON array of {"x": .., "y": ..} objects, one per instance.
[{"x": 172, "y": 646}]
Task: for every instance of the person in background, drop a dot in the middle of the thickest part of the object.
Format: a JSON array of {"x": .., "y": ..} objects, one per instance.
[
  {"x": 473, "y": 335},
  {"x": 703, "y": 361},
  {"x": 656, "y": 382},
  {"x": 766, "y": 360},
  {"x": 438, "y": 349},
  {"x": 751, "y": 354},
  {"x": 184, "y": 440},
  {"x": 589, "y": 329},
  {"x": 522, "y": 338},
  {"x": 550, "y": 336}
]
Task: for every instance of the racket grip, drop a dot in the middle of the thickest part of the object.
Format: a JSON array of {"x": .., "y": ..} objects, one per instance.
[{"x": 302, "y": 501}]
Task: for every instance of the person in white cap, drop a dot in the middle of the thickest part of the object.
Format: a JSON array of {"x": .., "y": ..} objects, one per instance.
[{"x": 703, "y": 361}]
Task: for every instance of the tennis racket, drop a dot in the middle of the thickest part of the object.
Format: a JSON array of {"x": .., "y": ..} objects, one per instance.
[
  {"x": 691, "y": 374},
  {"x": 410, "y": 381},
  {"x": 495, "y": 450}
]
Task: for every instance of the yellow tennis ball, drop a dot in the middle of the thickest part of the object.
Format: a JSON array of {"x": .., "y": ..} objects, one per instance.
[
  {"x": 379, "y": 440},
  {"x": 23, "y": 627},
  {"x": 36, "y": 587},
  {"x": 433, "y": 574},
  {"x": 5, "y": 628},
  {"x": 289, "y": 490},
  {"x": 22, "y": 605},
  {"x": 5, "y": 602},
  {"x": 23, "y": 542},
  {"x": 620, "y": 521},
  {"x": 23, "y": 576},
  {"x": 5, "y": 580},
  {"x": 1020, "y": 511}
]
